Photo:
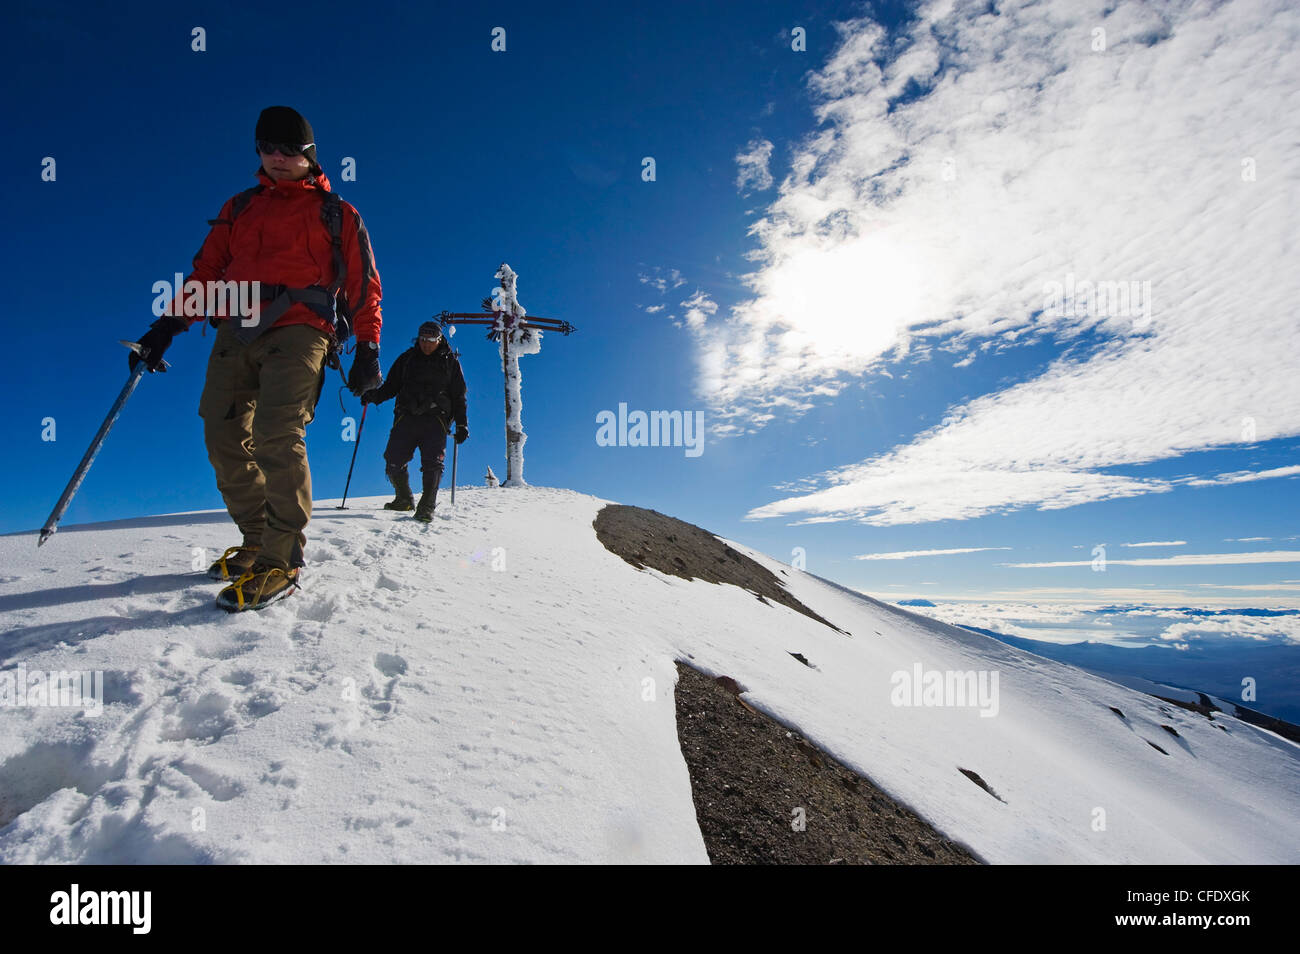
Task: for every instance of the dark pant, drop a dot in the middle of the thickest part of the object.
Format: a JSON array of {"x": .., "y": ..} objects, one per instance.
[{"x": 423, "y": 432}]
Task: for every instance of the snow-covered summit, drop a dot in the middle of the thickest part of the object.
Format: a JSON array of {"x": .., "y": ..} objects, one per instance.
[{"x": 499, "y": 687}]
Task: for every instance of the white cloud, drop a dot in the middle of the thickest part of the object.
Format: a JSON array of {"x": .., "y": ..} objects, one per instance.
[
  {"x": 1243, "y": 477},
  {"x": 1184, "y": 559},
  {"x": 1284, "y": 585},
  {"x": 891, "y": 491},
  {"x": 909, "y": 554},
  {"x": 663, "y": 282},
  {"x": 698, "y": 309},
  {"x": 655, "y": 309},
  {"x": 1072, "y": 622},
  {"x": 1096, "y": 598},
  {"x": 919, "y": 486},
  {"x": 751, "y": 166},
  {"x": 940, "y": 221},
  {"x": 1157, "y": 543},
  {"x": 1245, "y": 539},
  {"x": 1027, "y": 620},
  {"x": 1263, "y": 629}
]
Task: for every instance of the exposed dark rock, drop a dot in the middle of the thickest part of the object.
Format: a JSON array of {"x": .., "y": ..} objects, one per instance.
[
  {"x": 974, "y": 777},
  {"x": 753, "y": 780},
  {"x": 1288, "y": 730},
  {"x": 1204, "y": 707},
  {"x": 647, "y": 538}
]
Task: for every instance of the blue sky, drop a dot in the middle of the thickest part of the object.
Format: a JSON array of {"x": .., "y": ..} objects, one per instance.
[{"x": 841, "y": 262}]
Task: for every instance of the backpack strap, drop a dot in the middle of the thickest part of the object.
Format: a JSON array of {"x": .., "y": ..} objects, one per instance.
[
  {"x": 238, "y": 204},
  {"x": 331, "y": 212}
]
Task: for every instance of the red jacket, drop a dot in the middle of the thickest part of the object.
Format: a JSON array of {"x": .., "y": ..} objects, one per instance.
[{"x": 279, "y": 238}]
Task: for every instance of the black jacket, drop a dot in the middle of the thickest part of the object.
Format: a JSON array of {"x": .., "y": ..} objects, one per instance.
[{"x": 426, "y": 384}]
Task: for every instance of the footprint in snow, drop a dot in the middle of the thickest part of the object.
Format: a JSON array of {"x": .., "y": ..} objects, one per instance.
[
  {"x": 219, "y": 787},
  {"x": 390, "y": 665},
  {"x": 205, "y": 719},
  {"x": 263, "y": 702}
]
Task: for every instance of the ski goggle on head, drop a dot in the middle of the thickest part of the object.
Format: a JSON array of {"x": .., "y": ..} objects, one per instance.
[
  {"x": 271, "y": 148},
  {"x": 431, "y": 338}
]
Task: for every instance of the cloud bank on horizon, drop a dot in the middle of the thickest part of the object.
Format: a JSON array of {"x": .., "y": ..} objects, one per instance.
[
  {"x": 1126, "y": 626},
  {"x": 986, "y": 181},
  {"x": 911, "y": 554}
]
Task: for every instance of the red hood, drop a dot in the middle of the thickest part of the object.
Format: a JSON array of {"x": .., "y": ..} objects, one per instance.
[{"x": 321, "y": 182}]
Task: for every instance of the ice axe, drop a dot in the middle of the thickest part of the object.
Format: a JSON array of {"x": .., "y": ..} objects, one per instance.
[{"x": 88, "y": 458}]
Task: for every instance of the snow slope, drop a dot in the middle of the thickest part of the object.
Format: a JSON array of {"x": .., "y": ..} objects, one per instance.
[{"x": 498, "y": 687}]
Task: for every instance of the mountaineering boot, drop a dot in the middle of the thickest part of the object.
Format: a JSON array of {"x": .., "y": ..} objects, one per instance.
[
  {"x": 233, "y": 564},
  {"x": 404, "y": 500},
  {"x": 429, "y": 498},
  {"x": 257, "y": 588}
]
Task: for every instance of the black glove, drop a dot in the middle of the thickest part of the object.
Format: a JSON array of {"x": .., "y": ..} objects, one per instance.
[
  {"x": 155, "y": 341},
  {"x": 462, "y": 434},
  {"x": 365, "y": 374},
  {"x": 371, "y": 397}
]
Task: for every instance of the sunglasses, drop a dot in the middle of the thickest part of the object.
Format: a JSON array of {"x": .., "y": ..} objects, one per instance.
[{"x": 271, "y": 148}]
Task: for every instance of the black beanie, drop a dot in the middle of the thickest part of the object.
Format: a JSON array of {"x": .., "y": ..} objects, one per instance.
[
  {"x": 430, "y": 328},
  {"x": 286, "y": 125}
]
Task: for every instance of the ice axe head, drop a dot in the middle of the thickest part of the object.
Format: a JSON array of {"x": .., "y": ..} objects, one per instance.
[{"x": 143, "y": 352}]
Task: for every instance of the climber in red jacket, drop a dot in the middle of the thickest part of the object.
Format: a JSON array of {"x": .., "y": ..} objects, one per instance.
[{"x": 310, "y": 255}]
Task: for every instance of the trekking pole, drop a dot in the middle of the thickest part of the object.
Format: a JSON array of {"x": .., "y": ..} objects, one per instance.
[
  {"x": 454, "y": 447},
  {"x": 355, "y": 447},
  {"x": 88, "y": 458}
]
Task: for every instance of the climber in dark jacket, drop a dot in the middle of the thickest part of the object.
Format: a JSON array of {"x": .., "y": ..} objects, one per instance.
[{"x": 430, "y": 389}]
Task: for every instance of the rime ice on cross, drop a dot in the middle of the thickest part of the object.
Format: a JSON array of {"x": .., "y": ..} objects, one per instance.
[
  {"x": 515, "y": 339},
  {"x": 516, "y": 334}
]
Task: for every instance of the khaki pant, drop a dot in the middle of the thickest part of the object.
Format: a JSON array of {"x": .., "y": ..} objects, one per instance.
[{"x": 257, "y": 402}]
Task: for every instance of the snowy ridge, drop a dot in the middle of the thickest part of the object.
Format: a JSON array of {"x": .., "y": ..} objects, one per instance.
[{"x": 498, "y": 688}]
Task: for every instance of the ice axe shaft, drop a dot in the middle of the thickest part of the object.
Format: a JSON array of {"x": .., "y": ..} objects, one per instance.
[
  {"x": 355, "y": 447},
  {"x": 88, "y": 458}
]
